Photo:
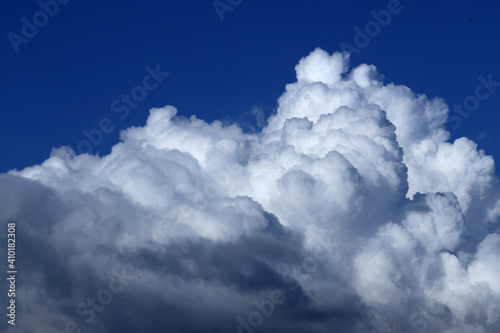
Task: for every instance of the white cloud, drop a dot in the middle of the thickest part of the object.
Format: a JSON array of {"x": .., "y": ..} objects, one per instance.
[{"x": 213, "y": 218}]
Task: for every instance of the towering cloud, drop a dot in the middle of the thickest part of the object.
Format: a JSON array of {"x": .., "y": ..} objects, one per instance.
[{"x": 349, "y": 212}]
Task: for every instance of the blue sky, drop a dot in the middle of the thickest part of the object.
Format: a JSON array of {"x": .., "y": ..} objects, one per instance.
[{"x": 65, "y": 78}]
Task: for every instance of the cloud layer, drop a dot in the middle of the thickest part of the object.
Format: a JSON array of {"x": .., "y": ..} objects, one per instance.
[{"x": 349, "y": 212}]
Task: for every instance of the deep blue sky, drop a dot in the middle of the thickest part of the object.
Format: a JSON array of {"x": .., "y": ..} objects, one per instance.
[{"x": 66, "y": 77}]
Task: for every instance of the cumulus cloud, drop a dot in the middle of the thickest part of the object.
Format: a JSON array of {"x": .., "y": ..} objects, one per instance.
[{"x": 349, "y": 212}]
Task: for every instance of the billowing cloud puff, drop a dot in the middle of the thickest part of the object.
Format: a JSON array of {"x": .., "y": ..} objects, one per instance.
[{"x": 349, "y": 212}]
